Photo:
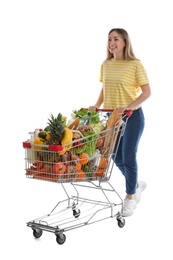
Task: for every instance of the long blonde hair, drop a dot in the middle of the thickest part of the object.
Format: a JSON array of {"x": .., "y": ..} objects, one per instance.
[{"x": 128, "y": 50}]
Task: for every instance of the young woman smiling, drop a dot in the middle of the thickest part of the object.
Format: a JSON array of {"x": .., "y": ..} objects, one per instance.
[{"x": 125, "y": 86}]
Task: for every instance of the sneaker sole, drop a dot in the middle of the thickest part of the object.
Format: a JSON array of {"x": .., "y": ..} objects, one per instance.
[{"x": 127, "y": 215}]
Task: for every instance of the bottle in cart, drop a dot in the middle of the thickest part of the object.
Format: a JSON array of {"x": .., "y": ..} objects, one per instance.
[
  {"x": 31, "y": 152},
  {"x": 36, "y": 132}
]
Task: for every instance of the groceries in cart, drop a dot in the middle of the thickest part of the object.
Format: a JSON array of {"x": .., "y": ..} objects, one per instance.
[{"x": 78, "y": 149}]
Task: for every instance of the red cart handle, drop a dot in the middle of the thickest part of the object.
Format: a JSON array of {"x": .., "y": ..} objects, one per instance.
[{"x": 128, "y": 112}]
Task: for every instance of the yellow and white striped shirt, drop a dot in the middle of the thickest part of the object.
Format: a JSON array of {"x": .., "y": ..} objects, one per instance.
[{"x": 121, "y": 82}]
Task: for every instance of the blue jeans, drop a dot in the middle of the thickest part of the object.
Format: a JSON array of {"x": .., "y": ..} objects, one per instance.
[{"x": 125, "y": 158}]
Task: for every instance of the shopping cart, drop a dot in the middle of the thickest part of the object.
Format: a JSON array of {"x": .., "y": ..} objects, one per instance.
[{"x": 67, "y": 165}]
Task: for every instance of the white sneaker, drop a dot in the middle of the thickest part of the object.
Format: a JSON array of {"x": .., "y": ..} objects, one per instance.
[
  {"x": 128, "y": 207},
  {"x": 141, "y": 187}
]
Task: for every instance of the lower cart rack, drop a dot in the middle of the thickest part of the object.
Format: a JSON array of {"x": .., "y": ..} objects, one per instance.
[{"x": 75, "y": 212}]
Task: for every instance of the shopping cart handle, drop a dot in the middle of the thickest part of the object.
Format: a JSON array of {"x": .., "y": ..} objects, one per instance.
[{"x": 127, "y": 112}]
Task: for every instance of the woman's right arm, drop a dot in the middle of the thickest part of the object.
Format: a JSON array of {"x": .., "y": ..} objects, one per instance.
[{"x": 99, "y": 101}]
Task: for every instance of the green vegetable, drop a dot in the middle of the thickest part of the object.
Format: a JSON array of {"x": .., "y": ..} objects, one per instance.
[
  {"x": 80, "y": 113},
  {"x": 98, "y": 127},
  {"x": 89, "y": 144},
  {"x": 64, "y": 120},
  {"x": 46, "y": 129},
  {"x": 42, "y": 134},
  {"x": 87, "y": 169},
  {"x": 87, "y": 117}
]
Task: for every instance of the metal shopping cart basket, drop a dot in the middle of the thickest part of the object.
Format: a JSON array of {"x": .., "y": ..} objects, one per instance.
[{"x": 66, "y": 166}]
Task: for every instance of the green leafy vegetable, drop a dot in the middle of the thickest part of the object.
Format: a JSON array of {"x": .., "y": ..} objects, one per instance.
[
  {"x": 87, "y": 117},
  {"x": 89, "y": 144},
  {"x": 97, "y": 127}
]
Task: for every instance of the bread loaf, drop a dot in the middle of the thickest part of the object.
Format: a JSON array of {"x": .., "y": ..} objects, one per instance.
[
  {"x": 113, "y": 123},
  {"x": 75, "y": 124},
  {"x": 113, "y": 119}
]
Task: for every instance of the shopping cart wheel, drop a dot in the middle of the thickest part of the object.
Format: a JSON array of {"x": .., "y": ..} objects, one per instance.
[
  {"x": 76, "y": 213},
  {"x": 121, "y": 222},
  {"x": 37, "y": 232},
  {"x": 60, "y": 238}
]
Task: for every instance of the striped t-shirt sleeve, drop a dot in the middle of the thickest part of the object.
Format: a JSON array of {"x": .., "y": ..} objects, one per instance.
[{"x": 141, "y": 75}]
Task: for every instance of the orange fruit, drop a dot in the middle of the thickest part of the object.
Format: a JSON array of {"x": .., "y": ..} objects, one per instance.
[
  {"x": 78, "y": 166},
  {"x": 84, "y": 158},
  {"x": 103, "y": 163},
  {"x": 99, "y": 172},
  {"x": 81, "y": 175}
]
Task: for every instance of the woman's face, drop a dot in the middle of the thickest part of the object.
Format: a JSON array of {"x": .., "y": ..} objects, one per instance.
[{"x": 116, "y": 45}]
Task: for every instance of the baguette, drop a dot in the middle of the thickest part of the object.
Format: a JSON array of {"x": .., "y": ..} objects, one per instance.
[
  {"x": 74, "y": 125},
  {"x": 114, "y": 120}
]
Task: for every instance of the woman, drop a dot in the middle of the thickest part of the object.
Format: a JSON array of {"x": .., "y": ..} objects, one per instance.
[{"x": 125, "y": 86}]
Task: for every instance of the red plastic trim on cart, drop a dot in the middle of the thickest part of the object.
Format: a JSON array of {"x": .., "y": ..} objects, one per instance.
[
  {"x": 55, "y": 148},
  {"x": 26, "y": 144},
  {"x": 51, "y": 147},
  {"x": 128, "y": 112}
]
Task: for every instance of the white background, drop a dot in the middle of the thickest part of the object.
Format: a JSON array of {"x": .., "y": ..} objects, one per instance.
[{"x": 50, "y": 57}]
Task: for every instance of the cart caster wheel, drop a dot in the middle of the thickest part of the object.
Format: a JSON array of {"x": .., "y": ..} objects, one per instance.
[
  {"x": 76, "y": 213},
  {"x": 60, "y": 238},
  {"x": 37, "y": 233},
  {"x": 121, "y": 222}
]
